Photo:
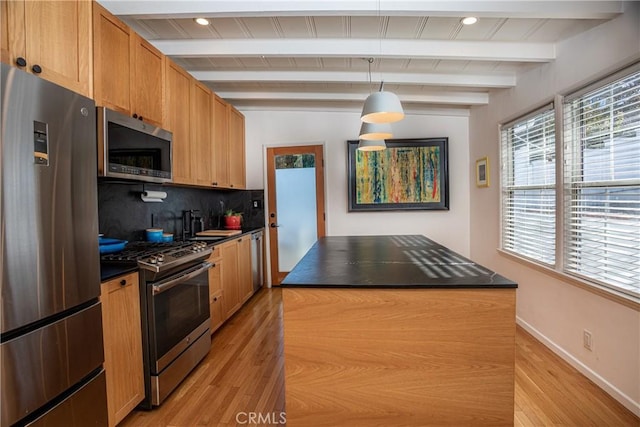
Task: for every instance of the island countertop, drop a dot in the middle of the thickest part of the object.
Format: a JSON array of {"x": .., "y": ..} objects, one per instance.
[{"x": 403, "y": 261}]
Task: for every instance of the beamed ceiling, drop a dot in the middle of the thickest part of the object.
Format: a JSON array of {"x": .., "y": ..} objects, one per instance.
[{"x": 287, "y": 53}]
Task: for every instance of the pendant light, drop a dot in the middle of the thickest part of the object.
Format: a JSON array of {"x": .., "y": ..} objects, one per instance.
[
  {"x": 371, "y": 145},
  {"x": 373, "y": 131},
  {"x": 381, "y": 106}
]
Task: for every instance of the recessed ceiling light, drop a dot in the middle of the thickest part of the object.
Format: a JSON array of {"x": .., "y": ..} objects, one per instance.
[
  {"x": 469, "y": 20},
  {"x": 202, "y": 21}
]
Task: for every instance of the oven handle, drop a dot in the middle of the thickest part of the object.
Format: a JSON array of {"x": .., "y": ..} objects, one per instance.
[{"x": 158, "y": 289}]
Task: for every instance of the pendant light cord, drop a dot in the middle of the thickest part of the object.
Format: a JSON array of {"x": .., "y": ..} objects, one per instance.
[{"x": 370, "y": 61}]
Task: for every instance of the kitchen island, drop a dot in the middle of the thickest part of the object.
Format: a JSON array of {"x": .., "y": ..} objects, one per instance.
[{"x": 397, "y": 330}]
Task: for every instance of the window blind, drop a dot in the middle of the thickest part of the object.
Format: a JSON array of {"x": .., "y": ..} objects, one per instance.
[
  {"x": 528, "y": 186},
  {"x": 602, "y": 184}
]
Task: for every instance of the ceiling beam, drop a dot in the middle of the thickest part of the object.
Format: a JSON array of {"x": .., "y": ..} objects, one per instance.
[
  {"x": 458, "y": 98},
  {"x": 360, "y": 48},
  {"x": 572, "y": 9},
  {"x": 500, "y": 80}
]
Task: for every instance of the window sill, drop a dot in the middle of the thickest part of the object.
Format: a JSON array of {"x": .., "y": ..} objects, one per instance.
[{"x": 611, "y": 294}]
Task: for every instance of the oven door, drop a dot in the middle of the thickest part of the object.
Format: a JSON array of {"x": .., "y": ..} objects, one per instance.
[{"x": 178, "y": 313}]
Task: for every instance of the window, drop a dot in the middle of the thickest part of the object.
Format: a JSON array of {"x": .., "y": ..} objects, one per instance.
[
  {"x": 602, "y": 184},
  {"x": 594, "y": 233},
  {"x": 528, "y": 186}
]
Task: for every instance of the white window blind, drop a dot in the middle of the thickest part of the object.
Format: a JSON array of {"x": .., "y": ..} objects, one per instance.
[
  {"x": 602, "y": 184},
  {"x": 528, "y": 186}
]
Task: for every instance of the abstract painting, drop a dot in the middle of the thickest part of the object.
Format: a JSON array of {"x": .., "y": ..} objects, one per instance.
[{"x": 408, "y": 174}]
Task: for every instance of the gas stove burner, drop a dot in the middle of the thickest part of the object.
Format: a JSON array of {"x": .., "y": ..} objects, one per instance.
[{"x": 158, "y": 256}]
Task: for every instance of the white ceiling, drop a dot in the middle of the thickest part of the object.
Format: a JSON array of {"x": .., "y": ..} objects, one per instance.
[{"x": 313, "y": 53}]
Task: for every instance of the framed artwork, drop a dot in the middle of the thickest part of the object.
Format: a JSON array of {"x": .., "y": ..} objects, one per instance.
[
  {"x": 411, "y": 174},
  {"x": 482, "y": 172}
]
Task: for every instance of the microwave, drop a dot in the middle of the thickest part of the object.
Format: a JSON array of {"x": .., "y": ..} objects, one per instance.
[{"x": 131, "y": 149}]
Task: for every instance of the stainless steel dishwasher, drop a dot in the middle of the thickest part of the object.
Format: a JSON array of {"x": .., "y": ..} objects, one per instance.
[{"x": 257, "y": 259}]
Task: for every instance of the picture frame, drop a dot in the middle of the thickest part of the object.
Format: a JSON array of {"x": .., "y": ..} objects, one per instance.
[
  {"x": 410, "y": 174},
  {"x": 482, "y": 172}
]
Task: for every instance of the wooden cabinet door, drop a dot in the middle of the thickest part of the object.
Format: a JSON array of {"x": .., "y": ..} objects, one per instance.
[
  {"x": 5, "y": 53},
  {"x": 215, "y": 307},
  {"x": 111, "y": 61},
  {"x": 245, "y": 278},
  {"x": 220, "y": 151},
  {"x": 201, "y": 133},
  {"x": 178, "y": 100},
  {"x": 147, "y": 81},
  {"x": 236, "y": 149},
  {"x": 230, "y": 291},
  {"x": 53, "y": 37},
  {"x": 215, "y": 276},
  {"x": 58, "y": 39},
  {"x": 122, "y": 333}
]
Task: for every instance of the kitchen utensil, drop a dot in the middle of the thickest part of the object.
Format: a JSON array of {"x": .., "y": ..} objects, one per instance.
[
  {"x": 154, "y": 234},
  {"x": 108, "y": 246}
]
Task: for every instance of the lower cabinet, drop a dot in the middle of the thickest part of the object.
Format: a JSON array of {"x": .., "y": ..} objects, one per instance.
[
  {"x": 215, "y": 305},
  {"x": 215, "y": 289},
  {"x": 235, "y": 275},
  {"x": 122, "y": 345}
]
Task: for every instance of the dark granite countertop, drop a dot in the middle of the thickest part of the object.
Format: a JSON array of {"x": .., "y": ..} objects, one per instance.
[
  {"x": 411, "y": 261},
  {"x": 109, "y": 271}
]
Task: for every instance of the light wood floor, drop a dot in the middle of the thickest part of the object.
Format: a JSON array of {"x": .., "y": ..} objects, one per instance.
[{"x": 243, "y": 373}]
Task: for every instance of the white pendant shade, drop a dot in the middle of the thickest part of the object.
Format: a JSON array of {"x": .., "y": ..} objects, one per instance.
[
  {"x": 382, "y": 107},
  {"x": 369, "y": 145},
  {"x": 372, "y": 131}
]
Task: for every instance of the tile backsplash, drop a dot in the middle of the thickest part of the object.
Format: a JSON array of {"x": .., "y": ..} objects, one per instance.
[{"x": 123, "y": 215}]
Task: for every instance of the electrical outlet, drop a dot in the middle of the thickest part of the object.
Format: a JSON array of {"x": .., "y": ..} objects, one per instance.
[
  {"x": 257, "y": 204},
  {"x": 587, "y": 340}
]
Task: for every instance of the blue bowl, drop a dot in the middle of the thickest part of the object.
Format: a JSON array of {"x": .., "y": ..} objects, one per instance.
[
  {"x": 154, "y": 234},
  {"x": 167, "y": 237}
]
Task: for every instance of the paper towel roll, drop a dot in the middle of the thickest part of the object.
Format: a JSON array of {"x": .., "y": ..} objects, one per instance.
[{"x": 153, "y": 196}]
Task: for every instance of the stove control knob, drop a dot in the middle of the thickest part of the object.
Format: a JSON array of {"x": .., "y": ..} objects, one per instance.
[
  {"x": 160, "y": 258},
  {"x": 153, "y": 260}
]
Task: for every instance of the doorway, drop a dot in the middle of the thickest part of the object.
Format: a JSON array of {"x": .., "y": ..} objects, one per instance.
[{"x": 296, "y": 215}]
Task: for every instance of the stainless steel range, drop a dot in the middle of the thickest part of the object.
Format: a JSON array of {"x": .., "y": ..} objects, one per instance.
[{"x": 174, "y": 292}]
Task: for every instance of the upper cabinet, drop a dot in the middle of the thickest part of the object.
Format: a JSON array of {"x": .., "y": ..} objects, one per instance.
[
  {"x": 228, "y": 154},
  {"x": 201, "y": 134},
  {"x": 129, "y": 72},
  {"x": 177, "y": 120},
  {"x": 236, "y": 149},
  {"x": 51, "y": 39},
  {"x": 4, "y": 33},
  {"x": 220, "y": 159}
]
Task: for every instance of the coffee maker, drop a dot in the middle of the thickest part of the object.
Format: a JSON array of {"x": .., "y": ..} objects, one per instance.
[{"x": 192, "y": 223}]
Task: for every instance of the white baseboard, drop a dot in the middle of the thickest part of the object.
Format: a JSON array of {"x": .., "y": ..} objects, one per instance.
[{"x": 625, "y": 400}]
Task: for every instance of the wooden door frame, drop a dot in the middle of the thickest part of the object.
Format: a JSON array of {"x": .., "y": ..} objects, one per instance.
[{"x": 318, "y": 151}]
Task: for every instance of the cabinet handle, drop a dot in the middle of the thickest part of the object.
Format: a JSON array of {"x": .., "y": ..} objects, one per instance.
[
  {"x": 215, "y": 299},
  {"x": 231, "y": 185},
  {"x": 215, "y": 183},
  {"x": 213, "y": 265},
  {"x": 135, "y": 116},
  {"x": 21, "y": 62},
  {"x": 36, "y": 69},
  {"x": 140, "y": 118},
  {"x": 123, "y": 282}
]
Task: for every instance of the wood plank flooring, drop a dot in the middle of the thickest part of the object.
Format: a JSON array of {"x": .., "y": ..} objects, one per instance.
[{"x": 242, "y": 380}]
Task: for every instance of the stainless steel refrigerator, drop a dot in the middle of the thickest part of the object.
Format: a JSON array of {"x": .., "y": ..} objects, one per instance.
[{"x": 51, "y": 351}]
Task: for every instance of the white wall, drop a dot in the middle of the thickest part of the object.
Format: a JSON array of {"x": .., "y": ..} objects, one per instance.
[
  {"x": 553, "y": 309},
  {"x": 333, "y": 129}
]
